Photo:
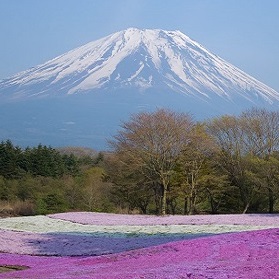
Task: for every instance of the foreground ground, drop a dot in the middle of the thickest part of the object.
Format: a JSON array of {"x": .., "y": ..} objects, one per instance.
[{"x": 136, "y": 246}]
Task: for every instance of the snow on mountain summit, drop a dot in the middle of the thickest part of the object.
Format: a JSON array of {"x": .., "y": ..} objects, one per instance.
[
  {"x": 81, "y": 97},
  {"x": 141, "y": 59}
]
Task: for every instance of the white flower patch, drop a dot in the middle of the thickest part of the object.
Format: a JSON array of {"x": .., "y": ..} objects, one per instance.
[{"x": 45, "y": 224}]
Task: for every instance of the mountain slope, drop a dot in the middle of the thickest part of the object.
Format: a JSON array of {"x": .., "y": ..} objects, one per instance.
[
  {"x": 142, "y": 59},
  {"x": 102, "y": 82}
]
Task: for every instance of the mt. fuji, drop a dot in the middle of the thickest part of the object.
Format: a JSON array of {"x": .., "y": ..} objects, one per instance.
[{"x": 80, "y": 97}]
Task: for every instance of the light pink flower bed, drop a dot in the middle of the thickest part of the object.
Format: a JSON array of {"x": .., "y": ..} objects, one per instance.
[
  {"x": 238, "y": 255},
  {"x": 92, "y": 218}
]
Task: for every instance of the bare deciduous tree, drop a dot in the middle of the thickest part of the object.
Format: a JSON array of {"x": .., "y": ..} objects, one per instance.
[
  {"x": 152, "y": 142},
  {"x": 229, "y": 135},
  {"x": 254, "y": 134},
  {"x": 261, "y": 129}
]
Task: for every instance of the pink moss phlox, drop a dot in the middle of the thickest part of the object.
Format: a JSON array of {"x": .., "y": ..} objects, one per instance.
[{"x": 253, "y": 254}]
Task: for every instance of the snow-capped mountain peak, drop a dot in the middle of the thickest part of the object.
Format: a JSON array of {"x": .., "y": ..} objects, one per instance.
[
  {"x": 103, "y": 82},
  {"x": 142, "y": 59}
]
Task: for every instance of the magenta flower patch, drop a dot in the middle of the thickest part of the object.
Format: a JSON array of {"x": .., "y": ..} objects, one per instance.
[
  {"x": 97, "y": 247},
  {"x": 238, "y": 255}
]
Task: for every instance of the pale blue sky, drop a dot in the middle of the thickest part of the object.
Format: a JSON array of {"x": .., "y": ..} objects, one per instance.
[{"x": 243, "y": 32}]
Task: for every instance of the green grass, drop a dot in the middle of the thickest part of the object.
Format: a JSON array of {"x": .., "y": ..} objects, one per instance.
[{"x": 5, "y": 268}]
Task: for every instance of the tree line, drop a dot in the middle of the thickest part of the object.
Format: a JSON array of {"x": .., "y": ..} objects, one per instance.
[
  {"x": 160, "y": 162},
  {"x": 43, "y": 180},
  {"x": 165, "y": 162}
]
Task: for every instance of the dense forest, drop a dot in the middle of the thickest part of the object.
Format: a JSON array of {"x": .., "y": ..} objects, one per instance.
[{"x": 159, "y": 162}]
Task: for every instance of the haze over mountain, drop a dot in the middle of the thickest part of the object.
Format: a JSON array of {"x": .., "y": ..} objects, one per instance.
[{"x": 81, "y": 97}]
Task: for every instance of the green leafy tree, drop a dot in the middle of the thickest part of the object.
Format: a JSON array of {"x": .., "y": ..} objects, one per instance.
[
  {"x": 130, "y": 189},
  {"x": 193, "y": 163},
  {"x": 95, "y": 190}
]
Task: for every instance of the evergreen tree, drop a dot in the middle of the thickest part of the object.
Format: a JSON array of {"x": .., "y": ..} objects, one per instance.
[{"x": 10, "y": 157}]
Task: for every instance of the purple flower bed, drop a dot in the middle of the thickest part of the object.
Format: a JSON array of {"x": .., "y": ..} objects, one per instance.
[
  {"x": 253, "y": 254},
  {"x": 80, "y": 244}
]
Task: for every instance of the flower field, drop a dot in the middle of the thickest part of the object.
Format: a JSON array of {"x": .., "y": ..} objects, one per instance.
[{"x": 100, "y": 245}]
